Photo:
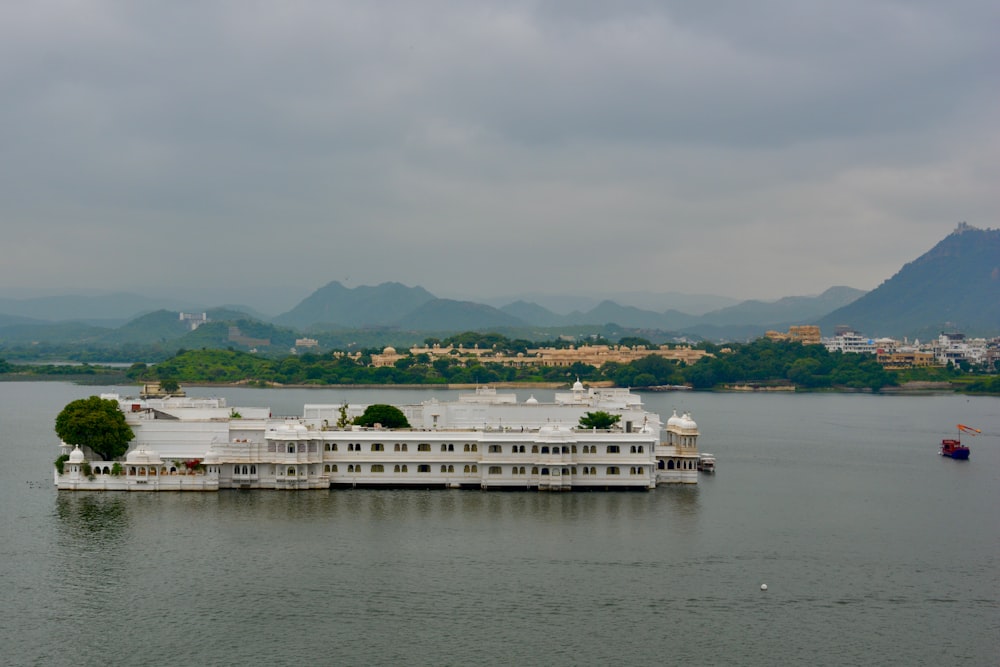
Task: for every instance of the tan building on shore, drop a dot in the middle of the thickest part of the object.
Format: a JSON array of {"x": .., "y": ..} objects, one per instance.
[
  {"x": 807, "y": 334},
  {"x": 593, "y": 355},
  {"x": 900, "y": 360}
]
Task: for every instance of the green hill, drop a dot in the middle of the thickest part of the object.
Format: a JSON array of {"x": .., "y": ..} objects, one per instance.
[
  {"x": 335, "y": 306},
  {"x": 955, "y": 286}
]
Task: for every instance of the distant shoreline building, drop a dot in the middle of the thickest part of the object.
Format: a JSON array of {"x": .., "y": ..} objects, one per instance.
[
  {"x": 592, "y": 355},
  {"x": 194, "y": 320},
  {"x": 807, "y": 334}
]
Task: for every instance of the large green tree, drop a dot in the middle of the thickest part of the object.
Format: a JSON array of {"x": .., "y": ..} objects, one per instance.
[
  {"x": 599, "y": 419},
  {"x": 388, "y": 416},
  {"x": 97, "y": 423}
]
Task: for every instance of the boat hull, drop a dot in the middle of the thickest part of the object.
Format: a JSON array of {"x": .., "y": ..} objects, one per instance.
[{"x": 954, "y": 450}]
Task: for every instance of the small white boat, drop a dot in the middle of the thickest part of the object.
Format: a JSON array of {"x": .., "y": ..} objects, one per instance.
[{"x": 706, "y": 462}]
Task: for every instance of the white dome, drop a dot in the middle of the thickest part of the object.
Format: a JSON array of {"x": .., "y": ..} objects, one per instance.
[
  {"x": 76, "y": 456},
  {"x": 389, "y": 349},
  {"x": 551, "y": 432},
  {"x": 532, "y": 400},
  {"x": 143, "y": 456},
  {"x": 687, "y": 423},
  {"x": 674, "y": 420},
  {"x": 578, "y": 386}
]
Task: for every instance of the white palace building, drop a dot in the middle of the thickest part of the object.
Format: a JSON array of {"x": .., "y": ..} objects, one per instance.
[{"x": 484, "y": 440}]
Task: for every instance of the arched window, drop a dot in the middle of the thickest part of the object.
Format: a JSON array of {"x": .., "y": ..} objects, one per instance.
[
  {"x": 534, "y": 449},
  {"x": 475, "y": 469},
  {"x": 451, "y": 468},
  {"x": 423, "y": 447},
  {"x": 405, "y": 469},
  {"x": 451, "y": 447},
  {"x": 466, "y": 467},
  {"x": 496, "y": 470},
  {"x": 545, "y": 471},
  {"x": 378, "y": 447},
  {"x": 475, "y": 447},
  {"x": 613, "y": 449},
  {"x": 467, "y": 448},
  {"x": 333, "y": 468},
  {"x": 404, "y": 446},
  {"x": 396, "y": 447},
  {"x": 444, "y": 447},
  {"x": 326, "y": 468},
  {"x": 613, "y": 470},
  {"x": 291, "y": 472},
  {"x": 641, "y": 449},
  {"x": 573, "y": 449},
  {"x": 444, "y": 468},
  {"x": 291, "y": 448},
  {"x": 378, "y": 467},
  {"x": 423, "y": 467},
  {"x": 495, "y": 449},
  {"x": 545, "y": 450},
  {"x": 534, "y": 470}
]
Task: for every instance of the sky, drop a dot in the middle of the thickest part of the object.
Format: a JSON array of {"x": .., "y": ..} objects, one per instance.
[{"x": 483, "y": 149}]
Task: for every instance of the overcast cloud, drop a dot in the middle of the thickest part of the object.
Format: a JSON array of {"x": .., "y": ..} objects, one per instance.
[{"x": 752, "y": 150}]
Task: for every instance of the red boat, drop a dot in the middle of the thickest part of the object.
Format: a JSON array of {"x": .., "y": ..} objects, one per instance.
[{"x": 954, "y": 449}]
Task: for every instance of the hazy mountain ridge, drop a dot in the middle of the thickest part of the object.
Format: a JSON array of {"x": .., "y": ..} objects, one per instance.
[
  {"x": 122, "y": 306},
  {"x": 955, "y": 285},
  {"x": 334, "y": 304}
]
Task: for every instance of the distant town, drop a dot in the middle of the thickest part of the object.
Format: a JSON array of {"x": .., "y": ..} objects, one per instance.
[{"x": 947, "y": 348}]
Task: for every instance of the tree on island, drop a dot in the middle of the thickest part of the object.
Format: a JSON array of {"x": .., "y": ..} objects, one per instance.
[
  {"x": 388, "y": 416},
  {"x": 169, "y": 385},
  {"x": 599, "y": 419},
  {"x": 97, "y": 423}
]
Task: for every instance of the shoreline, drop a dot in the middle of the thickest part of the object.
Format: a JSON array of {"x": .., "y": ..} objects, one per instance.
[{"x": 909, "y": 388}]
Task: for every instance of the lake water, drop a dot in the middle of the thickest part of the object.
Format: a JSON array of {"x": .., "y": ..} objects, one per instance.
[{"x": 875, "y": 550}]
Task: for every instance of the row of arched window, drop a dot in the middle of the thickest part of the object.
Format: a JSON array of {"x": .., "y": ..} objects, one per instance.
[
  {"x": 564, "y": 449},
  {"x": 493, "y": 449},
  {"x": 399, "y": 468},
  {"x": 397, "y": 447},
  {"x": 682, "y": 464},
  {"x": 292, "y": 448}
]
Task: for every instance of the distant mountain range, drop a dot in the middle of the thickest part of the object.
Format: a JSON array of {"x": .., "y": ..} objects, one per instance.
[{"x": 955, "y": 286}]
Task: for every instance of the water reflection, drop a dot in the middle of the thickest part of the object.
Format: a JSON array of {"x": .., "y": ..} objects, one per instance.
[{"x": 86, "y": 516}]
